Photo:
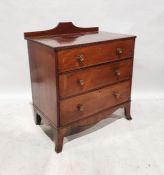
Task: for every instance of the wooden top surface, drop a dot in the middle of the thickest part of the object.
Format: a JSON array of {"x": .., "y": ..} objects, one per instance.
[
  {"x": 73, "y": 40},
  {"x": 67, "y": 35}
]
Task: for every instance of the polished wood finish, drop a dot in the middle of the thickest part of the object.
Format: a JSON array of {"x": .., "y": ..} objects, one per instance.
[
  {"x": 61, "y": 29},
  {"x": 69, "y": 59},
  {"x": 79, "y": 76},
  {"x": 43, "y": 79},
  {"x": 93, "y": 102},
  {"x": 81, "y": 81},
  {"x": 66, "y": 35},
  {"x": 90, "y": 120},
  {"x": 59, "y": 136}
]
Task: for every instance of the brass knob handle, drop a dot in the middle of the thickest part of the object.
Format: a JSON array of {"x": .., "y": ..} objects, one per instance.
[
  {"x": 81, "y": 82},
  {"x": 80, "y": 58},
  {"x": 116, "y": 95},
  {"x": 119, "y": 51},
  {"x": 80, "y": 107},
  {"x": 117, "y": 72}
]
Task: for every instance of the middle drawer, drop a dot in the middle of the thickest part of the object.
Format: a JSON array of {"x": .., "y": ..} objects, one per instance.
[{"x": 95, "y": 77}]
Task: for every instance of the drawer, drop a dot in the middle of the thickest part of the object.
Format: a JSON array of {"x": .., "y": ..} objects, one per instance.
[
  {"x": 94, "y": 77},
  {"x": 81, "y": 106},
  {"x": 75, "y": 58}
]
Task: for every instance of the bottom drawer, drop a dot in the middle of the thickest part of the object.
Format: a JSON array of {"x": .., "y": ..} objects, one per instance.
[{"x": 81, "y": 106}]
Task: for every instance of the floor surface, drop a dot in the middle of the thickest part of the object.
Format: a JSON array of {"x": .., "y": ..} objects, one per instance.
[{"x": 114, "y": 146}]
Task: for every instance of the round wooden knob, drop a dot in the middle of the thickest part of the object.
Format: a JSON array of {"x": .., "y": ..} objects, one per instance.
[
  {"x": 81, "y": 82},
  {"x": 119, "y": 51},
  {"x": 80, "y": 107},
  {"x": 116, "y": 95},
  {"x": 117, "y": 72},
  {"x": 80, "y": 58}
]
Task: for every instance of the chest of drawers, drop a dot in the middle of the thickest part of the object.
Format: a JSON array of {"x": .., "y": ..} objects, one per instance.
[{"x": 79, "y": 76}]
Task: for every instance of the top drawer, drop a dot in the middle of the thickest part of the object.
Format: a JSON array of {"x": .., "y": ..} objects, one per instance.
[{"x": 76, "y": 58}]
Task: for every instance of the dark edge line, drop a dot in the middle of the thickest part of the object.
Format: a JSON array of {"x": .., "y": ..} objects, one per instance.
[{"x": 57, "y": 88}]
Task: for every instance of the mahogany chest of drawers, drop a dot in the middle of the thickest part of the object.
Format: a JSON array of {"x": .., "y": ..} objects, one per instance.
[{"x": 79, "y": 76}]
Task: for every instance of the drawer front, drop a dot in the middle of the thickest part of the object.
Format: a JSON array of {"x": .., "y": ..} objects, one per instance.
[
  {"x": 81, "y": 106},
  {"x": 83, "y": 80},
  {"x": 75, "y": 58}
]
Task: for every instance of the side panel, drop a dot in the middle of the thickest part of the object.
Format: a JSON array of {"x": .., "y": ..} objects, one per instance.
[{"x": 43, "y": 80}]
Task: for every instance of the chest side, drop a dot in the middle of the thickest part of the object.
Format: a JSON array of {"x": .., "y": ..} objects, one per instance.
[{"x": 43, "y": 80}]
